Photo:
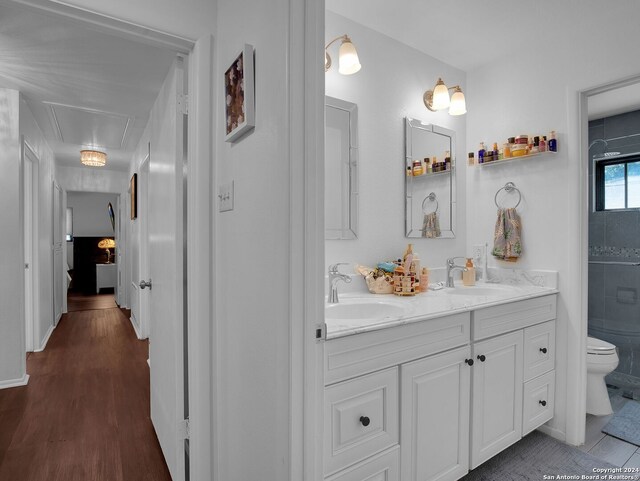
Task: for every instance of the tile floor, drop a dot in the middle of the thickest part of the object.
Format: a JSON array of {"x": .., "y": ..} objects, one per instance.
[{"x": 608, "y": 448}]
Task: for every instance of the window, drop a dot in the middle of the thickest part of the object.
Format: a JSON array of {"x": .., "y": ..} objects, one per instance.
[{"x": 618, "y": 184}]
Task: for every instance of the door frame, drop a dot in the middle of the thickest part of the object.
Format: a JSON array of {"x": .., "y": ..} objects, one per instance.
[
  {"x": 579, "y": 259},
  {"x": 31, "y": 326},
  {"x": 200, "y": 61}
]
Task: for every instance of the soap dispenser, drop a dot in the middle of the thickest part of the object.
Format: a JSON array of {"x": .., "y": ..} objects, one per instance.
[{"x": 469, "y": 276}]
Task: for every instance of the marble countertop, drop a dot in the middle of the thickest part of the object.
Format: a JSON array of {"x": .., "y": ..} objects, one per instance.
[{"x": 430, "y": 305}]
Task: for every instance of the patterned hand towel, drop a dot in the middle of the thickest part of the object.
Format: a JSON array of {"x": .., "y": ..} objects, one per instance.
[
  {"x": 431, "y": 225},
  {"x": 507, "y": 240}
]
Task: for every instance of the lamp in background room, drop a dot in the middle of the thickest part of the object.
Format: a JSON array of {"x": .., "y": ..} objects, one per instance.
[
  {"x": 93, "y": 158},
  {"x": 107, "y": 244},
  {"x": 348, "y": 62},
  {"x": 438, "y": 99}
]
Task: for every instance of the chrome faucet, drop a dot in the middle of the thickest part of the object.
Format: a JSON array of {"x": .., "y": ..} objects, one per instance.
[
  {"x": 451, "y": 266},
  {"x": 334, "y": 277}
]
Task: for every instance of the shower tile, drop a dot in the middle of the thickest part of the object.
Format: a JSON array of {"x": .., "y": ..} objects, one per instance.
[
  {"x": 596, "y": 323},
  {"x": 621, "y": 229},
  {"x": 596, "y": 233},
  {"x": 596, "y": 309},
  {"x": 619, "y": 277},
  {"x": 623, "y": 124},
  {"x": 620, "y": 317}
]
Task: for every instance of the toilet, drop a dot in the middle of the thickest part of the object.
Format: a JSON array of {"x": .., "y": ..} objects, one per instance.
[{"x": 602, "y": 358}]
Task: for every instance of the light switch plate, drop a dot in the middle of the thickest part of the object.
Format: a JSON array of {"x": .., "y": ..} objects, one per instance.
[{"x": 225, "y": 197}]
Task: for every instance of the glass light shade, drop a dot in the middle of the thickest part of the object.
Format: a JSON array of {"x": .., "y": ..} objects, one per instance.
[
  {"x": 440, "y": 96},
  {"x": 348, "y": 62},
  {"x": 106, "y": 244},
  {"x": 93, "y": 158},
  {"x": 458, "y": 104}
]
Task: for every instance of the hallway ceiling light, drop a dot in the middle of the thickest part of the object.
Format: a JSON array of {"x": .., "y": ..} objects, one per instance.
[
  {"x": 93, "y": 158},
  {"x": 438, "y": 99},
  {"x": 348, "y": 62}
]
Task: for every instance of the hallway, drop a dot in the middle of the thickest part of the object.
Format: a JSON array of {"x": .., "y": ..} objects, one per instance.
[{"x": 85, "y": 413}]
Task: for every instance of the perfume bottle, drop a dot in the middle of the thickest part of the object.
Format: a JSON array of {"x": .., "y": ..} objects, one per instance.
[
  {"x": 552, "y": 145},
  {"x": 481, "y": 153}
]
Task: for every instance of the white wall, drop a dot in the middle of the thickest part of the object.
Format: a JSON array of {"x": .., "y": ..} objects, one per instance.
[
  {"x": 12, "y": 354},
  {"x": 252, "y": 248},
  {"x": 521, "y": 99},
  {"x": 46, "y": 174},
  {"x": 90, "y": 214},
  {"x": 388, "y": 88},
  {"x": 90, "y": 179}
]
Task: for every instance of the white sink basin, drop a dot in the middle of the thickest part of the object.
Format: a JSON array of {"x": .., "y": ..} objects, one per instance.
[
  {"x": 364, "y": 309},
  {"x": 477, "y": 291}
]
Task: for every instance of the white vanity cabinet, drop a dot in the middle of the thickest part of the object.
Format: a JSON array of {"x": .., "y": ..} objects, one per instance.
[
  {"x": 496, "y": 410},
  {"x": 464, "y": 387},
  {"x": 435, "y": 416}
]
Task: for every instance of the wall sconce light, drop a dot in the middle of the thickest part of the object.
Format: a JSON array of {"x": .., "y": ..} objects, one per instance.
[
  {"x": 438, "y": 99},
  {"x": 348, "y": 62}
]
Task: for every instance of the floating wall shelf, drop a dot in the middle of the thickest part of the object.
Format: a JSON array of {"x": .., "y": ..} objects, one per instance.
[
  {"x": 511, "y": 159},
  {"x": 430, "y": 174}
]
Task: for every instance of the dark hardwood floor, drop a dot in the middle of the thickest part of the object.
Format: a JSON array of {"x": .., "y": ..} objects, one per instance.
[
  {"x": 77, "y": 301},
  {"x": 84, "y": 416}
]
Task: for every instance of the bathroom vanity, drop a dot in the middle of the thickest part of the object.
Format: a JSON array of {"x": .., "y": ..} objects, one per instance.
[{"x": 439, "y": 386}]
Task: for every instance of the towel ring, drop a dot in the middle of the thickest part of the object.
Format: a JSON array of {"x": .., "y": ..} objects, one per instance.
[
  {"x": 508, "y": 187},
  {"x": 432, "y": 198}
]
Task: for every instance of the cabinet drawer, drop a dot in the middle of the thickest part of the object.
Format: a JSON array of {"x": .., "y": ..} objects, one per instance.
[
  {"x": 539, "y": 349},
  {"x": 383, "y": 467},
  {"x": 361, "y": 418},
  {"x": 351, "y": 356},
  {"x": 511, "y": 316},
  {"x": 538, "y": 401}
]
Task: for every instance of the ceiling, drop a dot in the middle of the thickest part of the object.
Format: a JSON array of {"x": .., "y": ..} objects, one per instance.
[
  {"x": 85, "y": 88},
  {"x": 614, "y": 102}
]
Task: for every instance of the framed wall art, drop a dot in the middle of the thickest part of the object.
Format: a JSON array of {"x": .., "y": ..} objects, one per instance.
[
  {"x": 134, "y": 196},
  {"x": 239, "y": 95}
]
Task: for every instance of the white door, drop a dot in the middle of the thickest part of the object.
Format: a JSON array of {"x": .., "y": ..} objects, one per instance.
[
  {"x": 58, "y": 279},
  {"x": 166, "y": 239},
  {"x": 28, "y": 250},
  {"x": 435, "y": 417},
  {"x": 497, "y": 396},
  {"x": 140, "y": 255}
]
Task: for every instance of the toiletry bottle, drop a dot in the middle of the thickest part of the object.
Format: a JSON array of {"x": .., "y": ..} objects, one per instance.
[
  {"x": 447, "y": 160},
  {"x": 415, "y": 264},
  {"x": 424, "y": 280},
  {"x": 506, "y": 151},
  {"x": 552, "y": 145},
  {"x": 407, "y": 252},
  {"x": 409, "y": 171},
  {"x": 481, "y": 152},
  {"x": 471, "y": 160},
  {"x": 469, "y": 276},
  {"x": 542, "y": 146},
  {"x": 417, "y": 168}
]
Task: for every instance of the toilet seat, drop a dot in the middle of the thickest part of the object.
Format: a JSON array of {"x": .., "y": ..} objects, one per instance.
[{"x": 599, "y": 347}]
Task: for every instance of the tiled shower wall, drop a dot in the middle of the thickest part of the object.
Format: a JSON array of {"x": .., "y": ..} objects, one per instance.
[{"x": 614, "y": 306}]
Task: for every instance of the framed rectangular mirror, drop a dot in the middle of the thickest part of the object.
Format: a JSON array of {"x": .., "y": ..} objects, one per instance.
[
  {"x": 430, "y": 205},
  {"x": 341, "y": 169}
]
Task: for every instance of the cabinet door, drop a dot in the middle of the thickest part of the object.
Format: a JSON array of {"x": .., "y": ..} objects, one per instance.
[
  {"x": 496, "y": 396},
  {"x": 435, "y": 417}
]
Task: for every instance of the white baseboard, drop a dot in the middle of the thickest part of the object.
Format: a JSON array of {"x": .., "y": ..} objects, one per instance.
[
  {"x": 23, "y": 381},
  {"x": 45, "y": 340},
  {"x": 135, "y": 326},
  {"x": 553, "y": 432}
]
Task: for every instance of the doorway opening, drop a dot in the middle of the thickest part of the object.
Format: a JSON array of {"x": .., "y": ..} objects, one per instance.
[{"x": 93, "y": 250}]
